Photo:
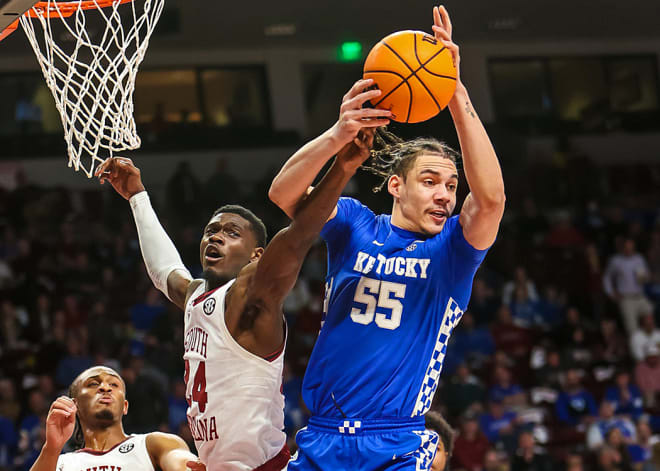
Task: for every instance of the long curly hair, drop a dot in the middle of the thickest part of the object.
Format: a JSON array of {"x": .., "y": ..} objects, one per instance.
[{"x": 392, "y": 155}]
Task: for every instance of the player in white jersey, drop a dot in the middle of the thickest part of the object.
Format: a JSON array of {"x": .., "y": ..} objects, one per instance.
[
  {"x": 234, "y": 325},
  {"x": 98, "y": 400}
]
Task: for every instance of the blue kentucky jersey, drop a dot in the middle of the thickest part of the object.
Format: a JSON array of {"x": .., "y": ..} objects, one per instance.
[{"x": 393, "y": 298}]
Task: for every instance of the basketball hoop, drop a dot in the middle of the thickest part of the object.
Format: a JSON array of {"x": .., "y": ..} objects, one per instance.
[{"x": 92, "y": 77}]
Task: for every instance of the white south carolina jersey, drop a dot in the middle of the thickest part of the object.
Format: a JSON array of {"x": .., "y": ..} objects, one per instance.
[
  {"x": 129, "y": 455},
  {"x": 235, "y": 401}
]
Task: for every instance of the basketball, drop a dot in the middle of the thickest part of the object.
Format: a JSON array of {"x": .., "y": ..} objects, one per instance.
[{"x": 415, "y": 72}]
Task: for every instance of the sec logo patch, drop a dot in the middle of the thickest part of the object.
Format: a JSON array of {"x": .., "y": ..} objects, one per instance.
[
  {"x": 126, "y": 447},
  {"x": 209, "y": 306}
]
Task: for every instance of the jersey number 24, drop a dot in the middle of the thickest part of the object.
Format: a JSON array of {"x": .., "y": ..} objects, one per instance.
[
  {"x": 199, "y": 394},
  {"x": 375, "y": 294}
]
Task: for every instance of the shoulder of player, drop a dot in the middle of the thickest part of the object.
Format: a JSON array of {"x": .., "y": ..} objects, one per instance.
[
  {"x": 158, "y": 443},
  {"x": 192, "y": 287}
]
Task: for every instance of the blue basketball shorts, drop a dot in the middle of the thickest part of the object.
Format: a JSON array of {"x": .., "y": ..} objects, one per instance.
[{"x": 364, "y": 445}]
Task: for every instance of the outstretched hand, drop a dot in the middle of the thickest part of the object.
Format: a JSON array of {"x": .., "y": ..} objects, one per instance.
[
  {"x": 60, "y": 422},
  {"x": 442, "y": 29},
  {"x": 353, "y": 117},
  {"x": 122, "y": 174}
]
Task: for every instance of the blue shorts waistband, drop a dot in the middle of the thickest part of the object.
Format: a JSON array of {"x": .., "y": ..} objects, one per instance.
[{"x": 355, "y": 426}]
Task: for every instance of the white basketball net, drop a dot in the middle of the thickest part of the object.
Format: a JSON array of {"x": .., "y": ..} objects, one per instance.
[{"x": 91, "y": 73}]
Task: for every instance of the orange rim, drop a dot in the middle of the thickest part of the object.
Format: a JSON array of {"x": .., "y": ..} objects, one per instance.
[
  {"x": 8, "y": 30},
  {"x": 66, "y": 9}
]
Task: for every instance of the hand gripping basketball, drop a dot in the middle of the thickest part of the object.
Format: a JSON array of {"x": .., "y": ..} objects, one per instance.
[
  {"x": 353, "y": 117},
  {"x": 122, "y": 174},
  {"x": 60, "y": 422}
]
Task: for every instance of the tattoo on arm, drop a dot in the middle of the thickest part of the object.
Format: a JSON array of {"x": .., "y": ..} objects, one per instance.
[{"x": 468, "y": 109}]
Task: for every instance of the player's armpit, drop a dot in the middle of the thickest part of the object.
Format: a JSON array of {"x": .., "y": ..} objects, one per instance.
[
  {"x": 168, "y": 452},
  {"x": 480, "y": 223},
  {"x": 178, "y": 287}
]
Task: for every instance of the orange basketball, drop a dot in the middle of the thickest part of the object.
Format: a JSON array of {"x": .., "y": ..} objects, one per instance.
[{"x": 415, "y": 72}]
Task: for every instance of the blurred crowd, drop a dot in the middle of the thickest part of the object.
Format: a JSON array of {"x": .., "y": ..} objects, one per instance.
[{"x": 555, "y": 364}]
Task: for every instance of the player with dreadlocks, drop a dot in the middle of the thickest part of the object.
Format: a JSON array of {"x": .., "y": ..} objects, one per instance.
[
  {"x": 93, "y": 413},
  {"x": 397, "y": 284}
]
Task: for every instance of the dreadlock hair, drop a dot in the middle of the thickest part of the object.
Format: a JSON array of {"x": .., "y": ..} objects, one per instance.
[
  {"x": 78, "y": 438},
  {"x": 392, "y": 155},
  {"x": 256, "y": 225}
]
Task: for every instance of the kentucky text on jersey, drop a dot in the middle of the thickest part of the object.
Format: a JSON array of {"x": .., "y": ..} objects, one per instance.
[
  {"x": 196, "y": 340},
  {"x": 393, "y": 298},
  {"x": 408, "y": 267}
]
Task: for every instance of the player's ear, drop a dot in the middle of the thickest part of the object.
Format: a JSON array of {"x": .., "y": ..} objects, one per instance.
[
  {"x": 125, "y": 408},
  {"x": 256, "y": 254},
  {"x": 394, "y": 185}
]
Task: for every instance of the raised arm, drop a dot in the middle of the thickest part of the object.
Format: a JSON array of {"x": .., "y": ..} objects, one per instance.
[
  {"x": 161, "y": 258},
  {"x": 292, "y": 183},
  {"x": 278, "y": 267},
  {"x": 170, "y": 453},
  {"x": 60, "y": 423},
  {"x": 484, "y": 206}
]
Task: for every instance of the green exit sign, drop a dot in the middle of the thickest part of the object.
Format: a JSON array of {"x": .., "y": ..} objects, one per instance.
[{"x": 350, "y": 51}]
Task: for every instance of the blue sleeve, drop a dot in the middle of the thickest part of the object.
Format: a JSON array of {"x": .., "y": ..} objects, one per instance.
[
  {"x": 561, "y": 407},
  {"x": 337, "y": 232},
  {"x": 464, "y": 259}
]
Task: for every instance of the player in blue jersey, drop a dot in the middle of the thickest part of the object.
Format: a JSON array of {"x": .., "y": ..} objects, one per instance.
[{"x": 396, "y": 285}]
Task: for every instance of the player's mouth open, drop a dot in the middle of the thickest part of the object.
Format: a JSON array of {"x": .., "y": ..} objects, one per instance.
[
  {"x": 212, "y": 254},
  {"x": 438, "y": 215}
]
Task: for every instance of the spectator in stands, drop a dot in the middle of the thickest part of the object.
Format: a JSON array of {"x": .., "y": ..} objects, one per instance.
[
  {"x": 624, "y": 281},
  {"x": 609, "y": 459},
  {"x": 511, "y": 339},
  {"x": 9, "y": 405},
  {"x": 575, "y": 405},
  {"x": 573, "y": 320},
  {"x": 646, "y": 333},
  {"x": 177, "y": 406},
  {"x": 611, "y": 347},
  {"x": 471, "y": 445},
  {"x": 550, "y": 374},
  {"x": 75, "y": 361},
  {"x": 647, "y": 375},
  {"x": 470, "y": 344},
  {"x": 524, "y": 309},
  {"x": 549, "y": 308},
  {"x": 222, "y": 187},
  {"x": 641, "y": 452},
  {"x": 563, "y": 233},
  {"x": 577, "y": 352},
  {"x": 504, "y": 390},
  {"x": 605, "y": 422},
  {"x": 499, "y": 425},
  {"x": 483, "y": 302},
  {"x": 615, "y": 439},
  {"x": 29, "y": 429},
  {"x": 496, "y": 461},
  {"x": 530, "y": 457},
  {"x": 574, "y": 462},
  {"x": 522, "y": 281},
  {"x": 462, "y": 391},
  {"x": 626, "y": 397},
  {"x": 8, "y": 441}
]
